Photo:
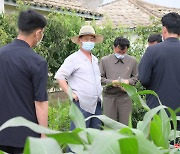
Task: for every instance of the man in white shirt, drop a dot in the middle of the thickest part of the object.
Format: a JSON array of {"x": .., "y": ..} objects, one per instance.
[{"x": 81, "y": 73}]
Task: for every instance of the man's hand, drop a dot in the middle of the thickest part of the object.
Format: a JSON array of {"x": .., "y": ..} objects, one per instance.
[
  {"x": 125, "y": 81},
  {"x": 115, "y": 83},
  {"x": 43, "y": 136},
  {"x": 75, "y": 97}
]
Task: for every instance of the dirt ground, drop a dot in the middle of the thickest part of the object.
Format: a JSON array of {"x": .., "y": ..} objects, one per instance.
[{"x": 54, "y": 96}]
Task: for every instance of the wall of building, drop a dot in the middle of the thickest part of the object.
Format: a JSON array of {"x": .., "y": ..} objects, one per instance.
[
  {"x": 1, "y": 6},
  {"x": 10, "y": 9}
]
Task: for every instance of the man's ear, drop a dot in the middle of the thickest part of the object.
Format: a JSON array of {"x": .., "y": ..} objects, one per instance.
[
  {"x": 164, "y": 30},
  {"x": 80, "y": 42}
]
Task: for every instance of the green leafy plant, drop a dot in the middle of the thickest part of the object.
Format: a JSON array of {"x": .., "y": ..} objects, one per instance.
[
  {"x": 56, "y": 44},
  {"x": 58, "y": 116},
  {"x": 152, "y": 135}
]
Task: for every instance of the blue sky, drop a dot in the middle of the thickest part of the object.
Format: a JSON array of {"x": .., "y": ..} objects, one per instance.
[{"x": 167, "y": 3}]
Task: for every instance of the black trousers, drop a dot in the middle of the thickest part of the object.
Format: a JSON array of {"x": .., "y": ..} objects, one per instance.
[{"x": 11, "y": 150}]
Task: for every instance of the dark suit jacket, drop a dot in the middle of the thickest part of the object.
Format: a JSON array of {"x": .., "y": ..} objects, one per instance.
[{"x": 159, "y": 70}]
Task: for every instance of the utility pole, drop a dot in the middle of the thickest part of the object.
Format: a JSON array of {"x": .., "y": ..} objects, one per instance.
[{"x": 1, "y": 6}]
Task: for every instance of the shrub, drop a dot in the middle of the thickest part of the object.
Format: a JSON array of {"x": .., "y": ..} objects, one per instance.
[{"x": 58, "y": 116}]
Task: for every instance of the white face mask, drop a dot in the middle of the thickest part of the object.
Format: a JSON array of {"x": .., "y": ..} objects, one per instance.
[
  {"x": 88, "y": 46},
  {"x": 119, "y": 56}
]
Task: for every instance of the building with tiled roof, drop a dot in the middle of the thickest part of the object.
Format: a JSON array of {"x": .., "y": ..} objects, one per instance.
[
  {"x": 156, "y": 10},
  {"x": 129, "y": 13},
  {"x": 73, "y": 7},
  {"x": 132, "y": 13}
]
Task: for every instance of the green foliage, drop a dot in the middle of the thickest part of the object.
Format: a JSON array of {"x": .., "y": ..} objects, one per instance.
[
  {"x": 151, "y": 136},
  {"x": 58, "y": 116},
  {"x": 41, "y": 146},
  {"x": 3, "y": 38},
  {"x": 138, "y": 113},
  {"x": 152, "y": 133},
  {"x": 56, "y": 44},
  {"x": 8, "y": 29}
]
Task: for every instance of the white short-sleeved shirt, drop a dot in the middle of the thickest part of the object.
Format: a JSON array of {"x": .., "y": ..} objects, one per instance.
[{"x": 84, "y": 78}]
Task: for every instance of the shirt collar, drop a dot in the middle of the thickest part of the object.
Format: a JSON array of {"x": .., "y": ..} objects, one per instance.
[
  {"x": 21, "y": 42},
  {"x": 116, "y": 60},
  {"x": 83, "y": 56}
]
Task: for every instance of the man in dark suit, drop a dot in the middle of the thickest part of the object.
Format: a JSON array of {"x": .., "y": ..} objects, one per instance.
[
  {"x": 159, "y": 69},
  {"x": 23, "y": 80}
]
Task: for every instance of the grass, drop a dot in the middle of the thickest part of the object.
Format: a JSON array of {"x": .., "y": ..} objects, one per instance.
[{"x": 58, "y": 115}]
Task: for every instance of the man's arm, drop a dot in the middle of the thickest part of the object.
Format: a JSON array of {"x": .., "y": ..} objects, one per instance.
[
  {"x": 42, "y": 113},
  {"x": 63, "y": 84},
  {"x": 39, "y": 80},
  {"x": 104, "y": 80},
  {"x": 64, "y": 72},
  {"x": 134, "y": 77}
]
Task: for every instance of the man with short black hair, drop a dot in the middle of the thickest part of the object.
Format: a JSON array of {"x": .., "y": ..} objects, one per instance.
[
  {"x": 116, "y": 68},
  {"x": 154, "y": 39},
  {"x": 160, "y": 65},
  {"x": 23, "y": 80}
]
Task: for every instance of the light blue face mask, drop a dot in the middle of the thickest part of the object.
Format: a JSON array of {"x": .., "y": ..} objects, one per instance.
[
  {"x": 119, "y": 56},
  {"x": 88, "y": 46}
]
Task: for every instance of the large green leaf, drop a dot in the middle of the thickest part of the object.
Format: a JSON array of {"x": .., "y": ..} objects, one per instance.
[
  {"x": 140, "y": 125},
  {"x": 114, "y": 148},
  {"x": 156, "y": 132},
  {"x": 177, "y": 110},
  {"x": 129, "y": 146},
  {"x": 147, "y": 119},
  {"x": 68, "y": 137},
  {"x": 131, "y": 90},
  {"x": 20, "y": 121},
  {"x": 145, "y": 92},
  {"x": 147, "y": 147},
  {"x": 76, "y": 116},
  {"x": 1, "y": 152},
  {"x": 108, "y": 122},
  {"x": 70, "y": 92},
  {"x": 76, "y": 148},
  {"x": 130, "y": 121},
  {"x": 143, "y": 103},
  {"x": 166, "y": 128},
  {"x": 137, "y": 132},
  {"x": 91, "y": 133},
  {"x": 133, "y": 94},
  {"x": 126, "y": 131},
  {"x": 104, "y": 141},
  {"x": 41, "y": 146},
  {"x": 174, "y": 120}
]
